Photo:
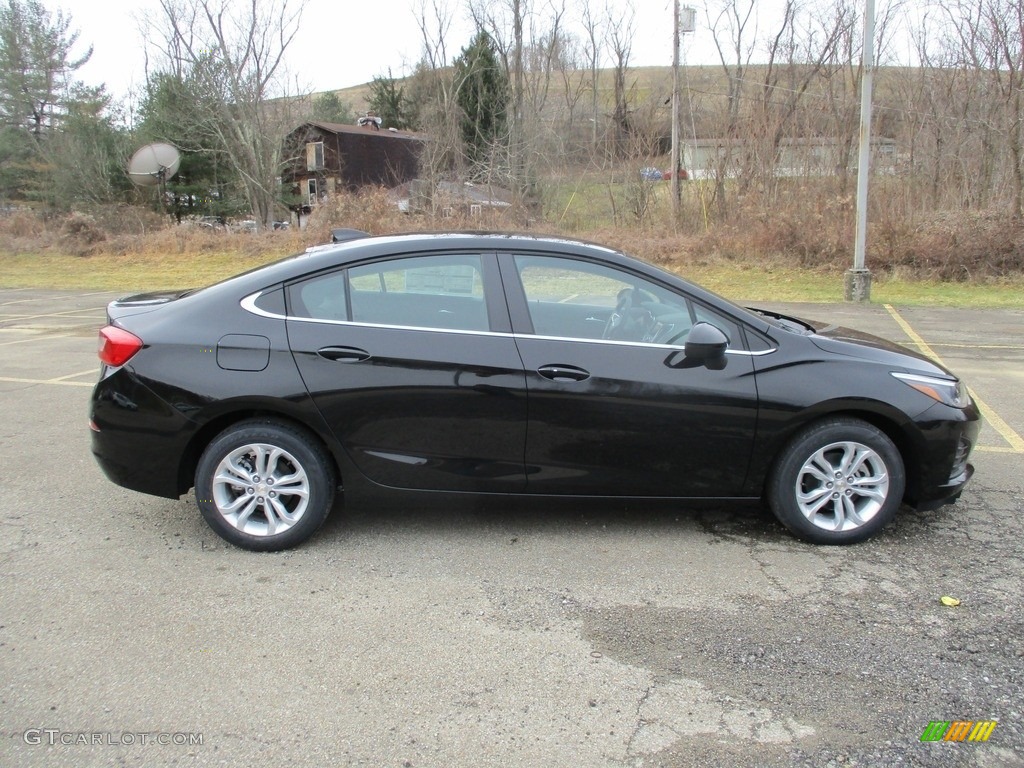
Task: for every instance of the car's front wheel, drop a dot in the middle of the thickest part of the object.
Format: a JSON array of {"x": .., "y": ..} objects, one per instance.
[
  {"x": 839, "y": 481},
  {"x": 264, "y": 485}
]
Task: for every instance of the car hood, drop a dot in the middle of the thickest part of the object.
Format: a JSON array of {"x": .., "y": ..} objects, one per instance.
[
  {"x": 838, "y": 340},
  {"x": 865, "y": 346}
]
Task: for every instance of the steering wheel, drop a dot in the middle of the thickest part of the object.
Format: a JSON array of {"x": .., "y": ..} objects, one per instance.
[
  {"x": 617, "y": 318},
  {"x": 673, "y": 337},
  {"x": 628, "y": 322}
]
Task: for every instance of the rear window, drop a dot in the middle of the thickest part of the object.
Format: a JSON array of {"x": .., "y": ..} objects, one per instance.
[
  {"x": 444, "y": 292},
  {"x": 321, "y": 298},
  {"x": 420, "y": 292}
]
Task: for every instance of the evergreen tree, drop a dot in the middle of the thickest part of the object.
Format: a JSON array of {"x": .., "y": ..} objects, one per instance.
[
  {"x": 173, "y": 112},
  {"x": 36, "y": 66},
  {"x": 483, "y": 95},
  {"x": 58, "y": 143},
  {"x": 388, "y": 100},
  {"x": 329, "y": 108},
  {"x": 87, "y": 157}
]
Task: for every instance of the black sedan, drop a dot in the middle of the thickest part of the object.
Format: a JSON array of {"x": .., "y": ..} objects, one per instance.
[{"x": 500, "y": 364}]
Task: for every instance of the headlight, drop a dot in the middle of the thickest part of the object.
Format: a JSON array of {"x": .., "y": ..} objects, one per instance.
[{"x": 950, "y": 392}]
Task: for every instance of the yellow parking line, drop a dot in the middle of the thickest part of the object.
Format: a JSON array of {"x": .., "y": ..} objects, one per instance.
[
  {"x": 17, "y": 301},
  {"x": 13, "y": 290},
  {"x": 84, "y": 313},
  {"x": 1005, "y": 430},
  {"x": 32, "y": 338},
  {"x": 1016, "y": 441},
  {"x": 92, "y": 371},
  {"x": 49, "y": 299},
  {"x": 15, "y": 380},
  {"x": 950, "y": 345}
]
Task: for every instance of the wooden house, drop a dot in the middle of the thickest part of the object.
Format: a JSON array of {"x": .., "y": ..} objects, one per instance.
[{"x": 322, "y": 158}]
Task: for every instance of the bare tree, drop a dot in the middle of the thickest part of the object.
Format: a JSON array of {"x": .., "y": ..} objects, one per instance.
[
  {"x": 508, "y": 22},
  {"x": 574, "y": 85},
  {"x": 434, "y": 19},
  {"x": 595, "y": 40},
  {"x": 434, "y": 91},
  {"x": 235, "y": 51},
  {"x": 621, "y": 32},
  {"x": 936, "y": 96},
  {"x": 991, "y": 37},
  {"x": 734, "y": 26},
  {"x": 544, "y": 51},
  {"x": 800, "y": 54}
]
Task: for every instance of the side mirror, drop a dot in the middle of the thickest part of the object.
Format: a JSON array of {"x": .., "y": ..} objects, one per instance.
[{"x": 705, "y": 343}]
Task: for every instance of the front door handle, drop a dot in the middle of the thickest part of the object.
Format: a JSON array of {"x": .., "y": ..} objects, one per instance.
[
  {"x": 563, "y": 373},
  {"x": 344, "y": 354}
]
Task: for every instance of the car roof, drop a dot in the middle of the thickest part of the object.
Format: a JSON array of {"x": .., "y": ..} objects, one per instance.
[
  {"x": 331, "y": 256},
  {"x": 338, "y": 254}
]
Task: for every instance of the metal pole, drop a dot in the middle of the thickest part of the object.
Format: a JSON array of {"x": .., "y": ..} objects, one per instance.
[
  {"x": 858, "y": 279},
  {"x": 676, "y": 100}
]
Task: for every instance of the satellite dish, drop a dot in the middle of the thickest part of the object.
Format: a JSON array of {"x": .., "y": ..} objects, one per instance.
[{"x": 154, "y": 164}]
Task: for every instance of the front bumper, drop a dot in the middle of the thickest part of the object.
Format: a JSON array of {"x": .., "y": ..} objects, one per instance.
[
  {"x": 951, "y": 470},
  {"x": 948, "y": 494}
]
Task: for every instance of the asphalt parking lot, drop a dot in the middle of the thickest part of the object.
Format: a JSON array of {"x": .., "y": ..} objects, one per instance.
[{"x": 498, "y": 634}]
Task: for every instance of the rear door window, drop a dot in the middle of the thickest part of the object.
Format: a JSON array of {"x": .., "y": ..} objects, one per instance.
[{"x": 444, "y": 292}]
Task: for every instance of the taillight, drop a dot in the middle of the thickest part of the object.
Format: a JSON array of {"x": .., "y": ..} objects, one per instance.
[{"x": 117, "y": 345}]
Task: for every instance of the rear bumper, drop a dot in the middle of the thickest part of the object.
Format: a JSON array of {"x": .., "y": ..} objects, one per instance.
[
  {"x": 137, "y": 437},
  {"x": 131, "y": 476}
]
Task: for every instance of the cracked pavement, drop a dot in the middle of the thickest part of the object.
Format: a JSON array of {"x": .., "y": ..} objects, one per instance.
[{"x": 499, "y": 633}]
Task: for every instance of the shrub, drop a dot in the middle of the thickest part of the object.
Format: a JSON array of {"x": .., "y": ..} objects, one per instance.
[{"x": 811, "y": 227}]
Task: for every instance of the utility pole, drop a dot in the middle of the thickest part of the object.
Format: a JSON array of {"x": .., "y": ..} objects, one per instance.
[
  {"x": 683, "y": 20},
  {"x": 676, "y": 99},
  {"x": 858, "y": 279}
]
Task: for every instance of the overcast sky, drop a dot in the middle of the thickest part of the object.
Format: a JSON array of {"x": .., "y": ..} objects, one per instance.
[{"x": 348, "y": 42}]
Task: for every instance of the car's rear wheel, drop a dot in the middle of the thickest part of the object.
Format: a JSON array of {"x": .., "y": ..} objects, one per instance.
[
  {"x": 839, "y": 481},
  {"x": 264, "y": 485}
]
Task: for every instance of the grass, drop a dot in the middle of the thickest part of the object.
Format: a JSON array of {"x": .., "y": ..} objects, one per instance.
[
  {"x": 1007, "y": 294},
  {"x": 739, "y": 282},
  {"x": 128, "y": 273},
  {"x": 744, "y": 283}
]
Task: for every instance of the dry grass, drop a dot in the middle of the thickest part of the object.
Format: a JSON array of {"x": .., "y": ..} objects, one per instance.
[{"x": 798, "y": 252}]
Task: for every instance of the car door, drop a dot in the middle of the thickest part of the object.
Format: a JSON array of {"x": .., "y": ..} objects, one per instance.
[
  {"x": 615, "y": 406},
  {"x": 410, "y": 361}
]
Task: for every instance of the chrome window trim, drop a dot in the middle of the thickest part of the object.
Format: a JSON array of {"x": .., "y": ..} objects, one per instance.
[
  {"x": 386, "y": 326},
  {"x": 249, "y": 304},
  {"x": 644, "y": 344}
]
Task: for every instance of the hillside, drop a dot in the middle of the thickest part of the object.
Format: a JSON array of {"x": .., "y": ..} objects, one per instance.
[{"x": 705, "y": 90}]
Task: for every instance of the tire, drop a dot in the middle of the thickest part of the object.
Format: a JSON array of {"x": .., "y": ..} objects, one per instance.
[
  {"x": 264, "y": 485},
  {"x": 839, "y": 481}
]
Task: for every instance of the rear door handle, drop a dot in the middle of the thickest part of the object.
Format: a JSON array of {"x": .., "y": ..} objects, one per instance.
[
  {"x": 344, "y": 354},
  {"x": 563, "y": 373}
]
